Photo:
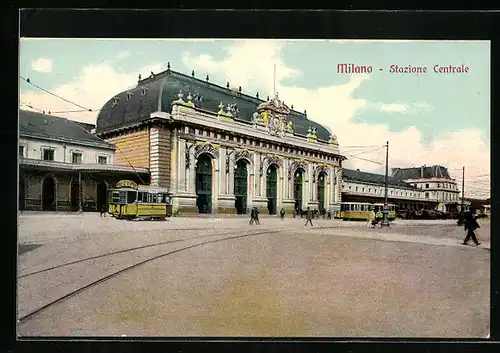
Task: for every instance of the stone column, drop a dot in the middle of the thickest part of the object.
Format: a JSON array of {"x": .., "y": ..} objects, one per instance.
[
  {"x": 232, "y": 163},
  {"x": 260, "y": 201},
  {"x": 285, "y": 183},
  {"x": 215, "y": 183},
  {"x": 256, "y": 161},
  {"x": 80, "y": 193},
  {"x": 287, "y": 200},
  {"x": 174, "y": 165},
  {"x": 223, "y": 174},
  {"x": 191, "y": 180},
  {"x": 181, "y": 170},
  {"x": 226, "y": 198}
]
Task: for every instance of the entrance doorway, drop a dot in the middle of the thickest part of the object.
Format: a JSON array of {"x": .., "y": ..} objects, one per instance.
[
  {"x": 321, "y": 191},
  {"x": 49, "y": 194},
  {"x": 272, "y": 188},
  {"x": 102, "y": 196},
  {"x": 22, "y": 195},
  {"x": 75, "y": 195},
  {"x": 298, "y": 180},
  {"x": 204, "y": 184},
  {"x": 241, "y": 187}
]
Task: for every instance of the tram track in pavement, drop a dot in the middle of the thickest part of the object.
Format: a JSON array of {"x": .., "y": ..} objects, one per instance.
[
  {"x": 93, "y": 283},
  {"x": 118, "y": 252},
  {"x": 43, "y": 241}
]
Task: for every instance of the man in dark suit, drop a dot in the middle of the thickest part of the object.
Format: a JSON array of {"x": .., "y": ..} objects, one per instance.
[
  {"x": 470, "y": 225},
  {"x": 309, "y": 216}
]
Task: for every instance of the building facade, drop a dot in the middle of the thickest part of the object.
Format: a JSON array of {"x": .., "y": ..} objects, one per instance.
[
  {"x": 221, "y": 151},
  {"x": 358, "y": 186},
  {"x": 435, "y": 183},
  {"x": 64, "y": 167}
]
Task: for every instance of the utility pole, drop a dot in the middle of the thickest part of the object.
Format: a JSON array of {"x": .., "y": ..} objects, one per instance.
[
  {"x": 385, "y": 221},
  {"x": 463, "y": 198}
]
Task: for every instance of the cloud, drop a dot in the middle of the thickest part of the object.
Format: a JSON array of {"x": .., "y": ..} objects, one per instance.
[
  {"x": 244, "y": 66},
  {"x": 402, "y": 108},
  {"x": 123, "y": 55},
  {"x": 42, "y": 65},
  {"x": 86, "y": 90}
]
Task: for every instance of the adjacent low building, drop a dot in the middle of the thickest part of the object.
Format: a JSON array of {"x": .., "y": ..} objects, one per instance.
[
  {"x": 358, "y": 186},
  {"x": 64, "y": 167}
]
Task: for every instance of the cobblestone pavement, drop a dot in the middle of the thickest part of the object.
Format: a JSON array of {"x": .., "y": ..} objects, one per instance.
[{"x": 333, "y": 279}]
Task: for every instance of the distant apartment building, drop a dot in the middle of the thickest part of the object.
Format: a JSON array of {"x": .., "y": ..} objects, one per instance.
[{"x": 435, "y": 183}]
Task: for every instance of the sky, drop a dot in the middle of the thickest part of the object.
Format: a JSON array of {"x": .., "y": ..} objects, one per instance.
[{"x": 428, "y": 118}]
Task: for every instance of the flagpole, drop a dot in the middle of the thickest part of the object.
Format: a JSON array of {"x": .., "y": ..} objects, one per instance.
[{"x": 274, "y": 81}]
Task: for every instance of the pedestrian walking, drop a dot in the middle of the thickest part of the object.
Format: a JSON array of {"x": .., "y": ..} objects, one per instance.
[
  {"x": 103, "y": 211},
  {"x": 254, "y": 216},
  {"x": 329, "y": 215},
  {"x": 309, "y": 216},
  {"x": 470, "y": 225},
  {"x": 257, "y": 216},
  {"x": 282, "y": 213},
  {"x": 371, "y": 219}
]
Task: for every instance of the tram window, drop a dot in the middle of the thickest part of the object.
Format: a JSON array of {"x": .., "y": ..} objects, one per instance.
[
  {"x": 131, "y": 196},
  {"x": 115, "y": 196},
  {"x": 142, "y": 197}
]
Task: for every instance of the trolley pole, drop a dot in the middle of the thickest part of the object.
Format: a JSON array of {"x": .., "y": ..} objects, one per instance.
[{"x": 385, "y": 221}]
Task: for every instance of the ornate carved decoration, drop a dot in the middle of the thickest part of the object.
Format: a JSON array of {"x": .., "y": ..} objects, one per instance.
[
  {"x": 333, "y": 140},
  {"x": 180, "y": 95},
  {"x": 321, "y": 169},
  {"x": 188, "y": 159},
  {"x": 229, "y": 153},
  {"x": 273, "y": 160},
  {"x": 273, "y": 115},
  {"x": 243, "y": 154},
  {"x": 294, "y": 166},
  {"x": 188, "y": 155},
  {"x": 207, "y": 148}
]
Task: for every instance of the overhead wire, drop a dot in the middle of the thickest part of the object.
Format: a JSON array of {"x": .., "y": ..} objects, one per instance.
[
  {"x": 53, "y": 94},
  {"x": 30, "y": 106}
]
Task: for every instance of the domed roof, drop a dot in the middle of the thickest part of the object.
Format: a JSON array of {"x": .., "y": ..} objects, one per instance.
[{"x": 157, "y": 92}]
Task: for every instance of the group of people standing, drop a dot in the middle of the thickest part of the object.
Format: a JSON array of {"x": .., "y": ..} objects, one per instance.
[{"x": 254, "y": 216}]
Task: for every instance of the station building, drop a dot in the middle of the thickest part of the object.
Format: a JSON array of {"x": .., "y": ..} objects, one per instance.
[
  {"x": 63, "y": 166},
  {"x": 220, "y": 150}
]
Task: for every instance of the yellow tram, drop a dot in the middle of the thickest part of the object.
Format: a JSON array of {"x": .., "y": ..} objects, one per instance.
[
  {"x": 360, "y": 211},
  {"x": 355, "y": 211},
  {"x": 130, "y": 200},
  {"x": 379, "y": 207}
]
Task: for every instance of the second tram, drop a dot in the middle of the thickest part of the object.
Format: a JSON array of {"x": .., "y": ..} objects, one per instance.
[{"x": 360, "y": 211}]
